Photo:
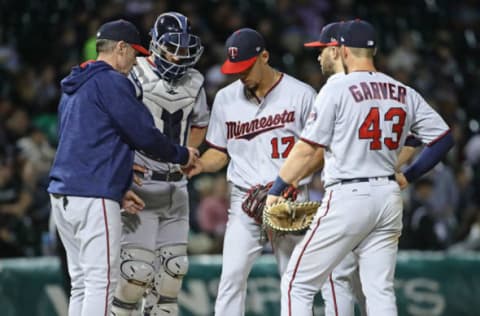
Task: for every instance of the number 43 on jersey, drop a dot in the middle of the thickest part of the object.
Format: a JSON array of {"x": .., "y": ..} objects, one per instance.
[{"x": 370, "y": 128}]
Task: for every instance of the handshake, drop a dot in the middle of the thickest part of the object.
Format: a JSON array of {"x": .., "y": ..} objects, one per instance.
[{"x": 193, "y": 166}]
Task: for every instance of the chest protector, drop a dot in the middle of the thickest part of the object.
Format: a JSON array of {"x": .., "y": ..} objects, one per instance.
[
  {"x": 160, "y": 96},
  {"x": 170, "y": 104}
]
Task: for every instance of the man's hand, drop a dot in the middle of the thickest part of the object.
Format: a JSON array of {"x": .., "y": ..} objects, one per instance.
[
  {"x": 212, "y": 160},
  {"x": 136, "y": 179},
  {"x": 193, "y": 155},
  {"x": 272, "y": 199},
  {"x": 401, "y": 180},
  {"x": 132, "y": 203},
  {"x": 194, "y": 169}
]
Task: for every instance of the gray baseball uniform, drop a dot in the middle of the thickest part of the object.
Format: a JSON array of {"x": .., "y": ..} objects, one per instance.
[
  {"x": 343, "y": 289},
  {"x": 156, "y": 238},
  {"x": 174, "y": 114},
  {"x": 361, "y": 121},
  {"x": 258, "y": 135}
]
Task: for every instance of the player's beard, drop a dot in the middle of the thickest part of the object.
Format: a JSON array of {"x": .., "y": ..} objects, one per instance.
[
  {"x": 252, "y": 86},
  {"x": 328, "y": 67},
  {"x": 344, "y": 65}
]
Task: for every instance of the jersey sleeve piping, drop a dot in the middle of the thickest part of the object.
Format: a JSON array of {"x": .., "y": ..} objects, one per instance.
[
  {"x": 312, "y": 143},
  {"x": 438, "y": 138},
  {"x": 199, "y": 126},
  {"x": 222, "y": 149}
]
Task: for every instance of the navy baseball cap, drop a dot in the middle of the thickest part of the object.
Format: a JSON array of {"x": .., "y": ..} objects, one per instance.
[
  {"x": 358, "y": 33},
  {"x": 243, "y": 48},
  {"x": 328, "y": 36},
  {"x": 122, "y": 30}
]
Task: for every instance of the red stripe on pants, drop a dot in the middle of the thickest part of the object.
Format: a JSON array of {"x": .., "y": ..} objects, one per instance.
[
  {"x": 301, "y": 254},
  {"x": 108, "y": 255},
  {"x": 332, "y": 286}
]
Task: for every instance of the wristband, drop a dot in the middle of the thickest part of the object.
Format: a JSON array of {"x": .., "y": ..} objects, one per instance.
[{"x": 278, "y": 186}]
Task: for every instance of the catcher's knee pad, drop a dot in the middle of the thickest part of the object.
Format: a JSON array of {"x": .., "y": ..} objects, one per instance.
[
  {"x": 136, "y": 274},
  {"x": 162, "y": 299}
]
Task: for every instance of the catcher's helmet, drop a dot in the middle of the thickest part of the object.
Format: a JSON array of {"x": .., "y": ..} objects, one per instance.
[{"x": 171, "y": 34}]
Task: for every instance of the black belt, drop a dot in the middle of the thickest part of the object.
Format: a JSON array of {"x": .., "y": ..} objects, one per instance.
[
  {"x": 357, "y": 180},
  {"x": 157, "y": 176}
]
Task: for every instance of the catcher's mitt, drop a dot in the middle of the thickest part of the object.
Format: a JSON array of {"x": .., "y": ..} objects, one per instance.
[
  {"x": 288, "y": 216},
  {"x": 254, "y": 203}
]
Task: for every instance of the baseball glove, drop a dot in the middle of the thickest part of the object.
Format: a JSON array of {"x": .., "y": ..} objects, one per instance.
[
  {"x": 288, "y": 216},
  {"x": 256, "y": 198}
]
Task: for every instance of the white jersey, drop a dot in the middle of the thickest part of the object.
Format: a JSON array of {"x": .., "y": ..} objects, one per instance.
[
  {"x": 259, "y": 134},
  {"x": 174, "y": 111},
  {"x": 362, "y": 120}
]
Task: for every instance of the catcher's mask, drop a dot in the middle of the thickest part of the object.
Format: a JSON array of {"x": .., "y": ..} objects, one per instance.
[{"x": 171, "y": 34}]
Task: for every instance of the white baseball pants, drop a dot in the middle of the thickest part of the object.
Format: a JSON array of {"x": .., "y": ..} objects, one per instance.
[
  {"x": 90, "y": 230},
  {"x": 240, "y": 249},
  {"x": 365, "y": 217},
  {"x": 343, "y": 289}
]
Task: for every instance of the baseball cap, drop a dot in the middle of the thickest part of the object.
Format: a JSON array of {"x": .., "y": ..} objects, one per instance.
[
  {"x": 122, "y": 30},
  {"x": 243, "y": 48},
  {"x": 358, "y": 33},
  {"x": 328, "y": 36}
]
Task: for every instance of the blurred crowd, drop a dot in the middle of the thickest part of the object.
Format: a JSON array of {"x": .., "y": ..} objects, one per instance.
[{"x": 431, "y": 45}]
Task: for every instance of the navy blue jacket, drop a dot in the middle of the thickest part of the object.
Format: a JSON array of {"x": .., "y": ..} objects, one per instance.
[{"x": 101, "y": 123}]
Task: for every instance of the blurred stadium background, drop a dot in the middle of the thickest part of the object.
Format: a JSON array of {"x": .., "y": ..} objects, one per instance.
[{"x": 432, "y": 45}]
